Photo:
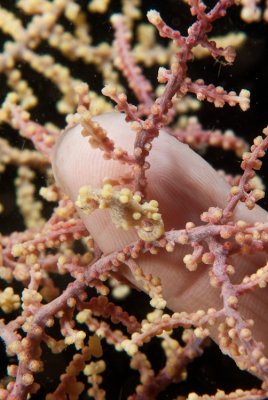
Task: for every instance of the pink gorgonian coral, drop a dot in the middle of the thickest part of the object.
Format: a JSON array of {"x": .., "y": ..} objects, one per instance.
[{"x": 121, "y": 201}]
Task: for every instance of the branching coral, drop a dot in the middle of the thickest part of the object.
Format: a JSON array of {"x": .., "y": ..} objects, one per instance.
[{"x": 58, "y": 277}]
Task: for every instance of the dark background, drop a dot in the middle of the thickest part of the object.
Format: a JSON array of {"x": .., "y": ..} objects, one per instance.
[{"x": 213, "y": 370}]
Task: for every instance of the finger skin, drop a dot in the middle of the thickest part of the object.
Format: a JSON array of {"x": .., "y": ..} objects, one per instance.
[{"x": 185, "y": 185}]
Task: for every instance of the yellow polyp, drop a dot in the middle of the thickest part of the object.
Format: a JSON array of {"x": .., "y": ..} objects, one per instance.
[
  {"x": 125, "y": 191},
  {"x": 95, "y": 368},
  {"x": 27, "y": 379},
  {"x": 107, "y": 191},
  {"x": 17, "y": 250},
  {"x": 136, "y": 216},
  {"x": 124, "y": 199},
  {"x": 156, "y": 216},
  {"x": 72, "y": 11},
  {"x": 137, "y": 198},
  {"x": 153, "y": 203},
  {"x": 69, "y": 340},
  {"x": 62, "y": 260}
]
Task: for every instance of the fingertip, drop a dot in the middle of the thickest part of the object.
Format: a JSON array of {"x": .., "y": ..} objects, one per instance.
[
  {"x": 75, "y": 164},
  {"x": 58, "y": 158}
]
